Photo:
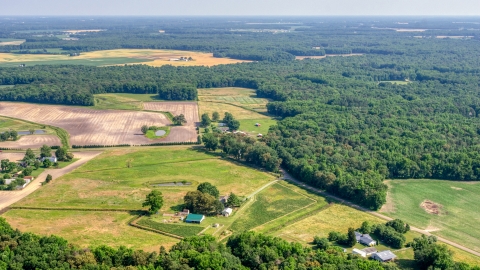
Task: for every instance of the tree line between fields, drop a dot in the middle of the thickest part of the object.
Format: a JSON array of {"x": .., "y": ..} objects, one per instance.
[
  {"x": 246, "y": 250},
  {"x": 345, "y": 128}
]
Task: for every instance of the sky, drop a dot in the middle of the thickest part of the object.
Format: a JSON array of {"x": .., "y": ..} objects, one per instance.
[{"x": 238, "y": 7}]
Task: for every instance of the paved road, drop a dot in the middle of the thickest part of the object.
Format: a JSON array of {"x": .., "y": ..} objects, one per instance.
[
  {"x": 290, "y": 178},
  {"x": 8, "y": 198}
]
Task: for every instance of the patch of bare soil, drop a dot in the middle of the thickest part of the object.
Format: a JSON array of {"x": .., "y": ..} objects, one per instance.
[
  {"x": 431, "y": 207},
  {"x": 32, "y": 141},
  {"x": 456, "y": 188}
]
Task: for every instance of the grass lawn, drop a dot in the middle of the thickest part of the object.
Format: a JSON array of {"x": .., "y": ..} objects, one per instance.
[
  {"x": 19, "y": 125},
  {"x": 459, "y": 215},
  {"x": 273, "y": 202},
  {"x": 106, "y": 182},
  {"x": 337, "y": 217},
  {"x": 86, "y": 228},
  {"x": 139, "y": 97},
  {"x": 176, "y": 229},
  {"x": 116, "y": 102},
  {"x": 151, "y": 133},
  {"x": 248, "y": 125}
]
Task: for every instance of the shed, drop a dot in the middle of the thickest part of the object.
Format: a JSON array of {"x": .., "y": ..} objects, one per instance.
[
  {"x": 9, "y": 181},
  {"x": 227, "y": 211},
  {"x": 194, "y": 218},
  {"x": 30, "y": 178},
  {"x": 384, "y": 256},
  {"x": 369, "y": 251},
  {"x": 359, "y": 252},
  {"x": 52, "y": 159},
  {"x": 365, "y": 239}
]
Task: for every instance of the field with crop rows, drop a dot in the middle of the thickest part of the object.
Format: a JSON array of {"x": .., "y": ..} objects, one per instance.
[{"x": 176, "y": 229}]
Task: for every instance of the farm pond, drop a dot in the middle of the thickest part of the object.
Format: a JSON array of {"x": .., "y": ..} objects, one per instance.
[
  {"x": 172, "y": 184},
  {"x": 160, "y": 132},
  {"x": 38, "y": 131}
]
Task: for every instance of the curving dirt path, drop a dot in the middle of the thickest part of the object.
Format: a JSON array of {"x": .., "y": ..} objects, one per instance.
[
  {"x": 8, "y": 198},
  {"x": 288, "y": 177}
]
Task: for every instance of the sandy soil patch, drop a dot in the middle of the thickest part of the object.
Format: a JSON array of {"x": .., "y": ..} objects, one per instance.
[
  {"x": 431, "y": 207},
  {"x": 14, "y": 42},
  {"x": 11, "y": 156},
  {"x": 32, "y": 141},
  {"x": 83, "y": 31},
  {"x": 87, "y": 126},
  {"x": 325, "y": 56},
  {"x": 456, "y": 188}
]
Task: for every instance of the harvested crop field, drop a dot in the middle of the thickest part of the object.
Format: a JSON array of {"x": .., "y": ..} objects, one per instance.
[
  {"x": 154, "y": 58},
  {"x": 189, "y": 109},
  {"x": 32, "y": 141},
  {"x": 186, "y": 133},
  {"x": 11, "y": 42},
  {"x": 88, "y": 127}
]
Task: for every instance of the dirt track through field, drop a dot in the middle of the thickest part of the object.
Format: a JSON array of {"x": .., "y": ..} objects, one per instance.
[
  {"x": 87, "y": 126},
  {"x": 8, "y": 198},
  {"x": 32, "y": 141},
  {"x": 186, "y": 133}
]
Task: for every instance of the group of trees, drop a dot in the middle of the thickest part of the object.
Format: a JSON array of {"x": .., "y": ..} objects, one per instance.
[
  {"x": 348, "y": 239},
  {"x": 204, "y": 200},
  {"x": 243, "y": 147},
  {"x": 9, "y": 135}
]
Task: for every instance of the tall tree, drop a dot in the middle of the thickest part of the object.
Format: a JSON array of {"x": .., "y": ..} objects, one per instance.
[
  {"x": 215, "y": 116},
  {"x": 206, "y": 121},
  {"x": 154, "y": 201},
  {"x": 208, "y": 188},
  {"x": 45, "y": 151}
]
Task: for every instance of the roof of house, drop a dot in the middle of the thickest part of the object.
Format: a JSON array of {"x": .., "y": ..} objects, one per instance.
[
  {"x": 227, "y": 210},
  {"x": 364, "y": 238},
  {"x": 370, "y": 250},
  {"x": 358, "y": 251},
  {"x": 195, "y": 217},
  {"x": 385, "y": 255}
]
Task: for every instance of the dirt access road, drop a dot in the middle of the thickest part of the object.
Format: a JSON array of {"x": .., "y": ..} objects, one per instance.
[
  {"x": 288, "y": 177},
  {"x": 8, "y": 198}
]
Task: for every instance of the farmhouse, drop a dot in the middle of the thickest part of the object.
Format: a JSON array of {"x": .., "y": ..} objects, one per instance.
[
  {"x": 227, "y": 212},
  {"x": 384, "y": 256},
  {"x": 194, "y": 218},
  {"x": 52, "y": 159},
  {"x": 365, "y": 239},
  {"x": 29, "y": 178},
  {"x": 224, "y": 199},
  {"x": 9, "y": 181},
  {"x": 369, "y": 251},
  {"x": 359, "y": 252}
]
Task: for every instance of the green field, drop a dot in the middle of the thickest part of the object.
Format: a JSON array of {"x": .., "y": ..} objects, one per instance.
[
  {"x": 248, "y": 125},
  {"x": 176, "y": 229},
  {"x": 6, "y": 86},
  {"x": 19, "y": 125},
  {"x": 273, "y": 202},
  {"x": 139, "y": 97},
  {"x": 458, "y": 216},
  {"x": 116, "y": 102},
  {"x": 108, "y": 182},
  {"x": 87, "y": 228},
  {"x": 151, "y": 133},
  {"x": 87, "y": 62}
]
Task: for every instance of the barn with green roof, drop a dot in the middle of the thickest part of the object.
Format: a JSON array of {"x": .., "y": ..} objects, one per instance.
[{"x": 194, "y": 218}]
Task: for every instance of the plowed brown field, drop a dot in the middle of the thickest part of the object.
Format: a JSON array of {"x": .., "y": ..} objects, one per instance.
[
  {"x": 87, "y": 126},
  {"x": 32, "y": 141},
  {"x": 185, "y": 133}
]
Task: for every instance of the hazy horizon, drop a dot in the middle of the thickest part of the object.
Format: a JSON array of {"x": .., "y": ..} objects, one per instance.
[{"x": 447, "y": 8}]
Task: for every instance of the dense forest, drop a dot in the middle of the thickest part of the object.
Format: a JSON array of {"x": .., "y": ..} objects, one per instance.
[{"x": 345, "y": 125}]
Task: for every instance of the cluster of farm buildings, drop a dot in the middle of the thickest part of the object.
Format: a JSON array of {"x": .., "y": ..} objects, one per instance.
[{"x": 370, "y": 251}]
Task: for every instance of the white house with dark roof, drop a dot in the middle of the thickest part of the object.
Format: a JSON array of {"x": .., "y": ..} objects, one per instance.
[
  {"x": 365, "y": 239},
  {"x": 384, "y": 256},
  {"x": 359, "y": 252}
]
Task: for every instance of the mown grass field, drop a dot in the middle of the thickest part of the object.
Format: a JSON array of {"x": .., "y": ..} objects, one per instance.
[
  {"x": 116, "y": 102},
  {"x": 241, "y": 97},
  {"x": 273, "y": 202},
  {"x": 182, "y": 229},
  {"x": 116, "y": 57},
  {"x": 459, "y": 215},
  {"x": 248, "y": 125},
  {"x": 87, "y": 228},
  {"x": 107, "y": 182}
]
